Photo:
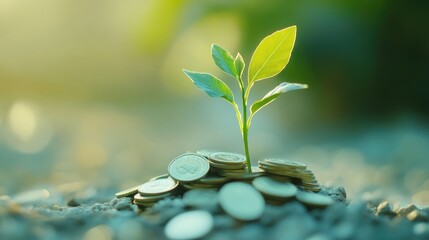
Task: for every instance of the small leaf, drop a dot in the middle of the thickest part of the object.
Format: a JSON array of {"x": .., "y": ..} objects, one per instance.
[
  {"x": 272, "y": 54},
  {"x": 273, "y": 94},
  {"x": 211, "y": 85},
  {"x": 224, "y": 60},
  {"x": 239, "y": 64}
]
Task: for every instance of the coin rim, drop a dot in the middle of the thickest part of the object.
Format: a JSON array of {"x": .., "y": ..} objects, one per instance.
[
  {"x": 265, "y": 180},
  {"x": 241, "y": 156},
  {"x": 158, "y": 193},
  {"x": 304, "y": 200},
  {"x": 206, "y": 170},
  {"x": 128, "y": 192},
  {"x": 298, "y": 165}
]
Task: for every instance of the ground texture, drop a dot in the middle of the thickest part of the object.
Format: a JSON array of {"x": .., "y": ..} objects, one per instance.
[{"x": 97, "y": 214}]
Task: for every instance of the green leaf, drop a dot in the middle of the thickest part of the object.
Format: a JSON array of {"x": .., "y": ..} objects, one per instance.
[
  {"x": 273, "y": 94},
  {"x": 239, "y": 64},
  {"x": 272, "y": 54},
  {"x": 224, "y": 60},
  {"x": 211, "y": 85}
]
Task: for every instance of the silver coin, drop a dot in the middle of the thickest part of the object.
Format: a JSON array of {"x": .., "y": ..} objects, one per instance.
[
  {"x": 314, "y": 199},
  {"x": 274, "y": 188},
  {"x": 158, "y": 186},
  {"x": 227, "y": 166},
  {"x": 188, "y": 167},
  {"x": 241, "y": 201},
  {"x": 287, "y": 163},
  {"x": 227, "y": 157},
  {"x": 148, "y": 199},
  {"x": 244, "y": 176},
  {"x": 128, "y": 192},
  {"x": 201, "y": 198},
  {"x": 189, "y": 225},
  {"x": 213, "y": 180},
  {"x": 194, "y": 185}
]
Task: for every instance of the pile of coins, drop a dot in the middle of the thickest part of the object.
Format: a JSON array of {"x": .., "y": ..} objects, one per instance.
[
  {"x": 293, "y": 171},
  {"x": 203, "y": 173},
  {"x": 230, "y": 165}
]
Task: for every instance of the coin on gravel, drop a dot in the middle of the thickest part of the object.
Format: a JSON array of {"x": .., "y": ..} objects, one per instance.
[
  {"x": 157, "y": 187},
  {"x": 227, "y": 157},
  {"x": 128, "y": 192},
  {"x": 274, "y": 188},
  {"x": 189, "y": 225},
  {"x": 188, "y": 167},
  {"x": 145, "y": 199},
  {"x": 201, "y": 198},
  {"x": 241, "y": 201},
  {"x": 314, "y": 199}
]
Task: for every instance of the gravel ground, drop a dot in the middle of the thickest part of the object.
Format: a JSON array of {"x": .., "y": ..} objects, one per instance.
[{"x": 43, "y": 214}]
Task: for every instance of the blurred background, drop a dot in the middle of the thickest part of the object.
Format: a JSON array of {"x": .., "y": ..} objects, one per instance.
[{"x": 92, "y": 93}]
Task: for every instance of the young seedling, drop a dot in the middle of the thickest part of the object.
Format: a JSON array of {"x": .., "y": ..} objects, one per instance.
[{"x": 269, "y": 59}]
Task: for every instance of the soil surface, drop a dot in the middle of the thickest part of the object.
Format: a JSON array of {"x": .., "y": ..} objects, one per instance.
[{"x": 97, "y": 214}]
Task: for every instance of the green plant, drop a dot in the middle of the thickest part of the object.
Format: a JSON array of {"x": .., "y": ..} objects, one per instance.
[{"x": 269, "y": 59}]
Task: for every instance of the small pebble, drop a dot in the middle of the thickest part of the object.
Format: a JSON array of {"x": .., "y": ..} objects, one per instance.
[
  {"x": 403, "y": 212},
  {"x": 123, "y": 204},
  {"x": 418, "y": 215},
  {"x": 73, "y": 203},
  {"x": 384, "y": 209}
]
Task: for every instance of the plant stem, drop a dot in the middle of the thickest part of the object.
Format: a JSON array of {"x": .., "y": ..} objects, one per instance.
[{"x": 245, "y": 130}]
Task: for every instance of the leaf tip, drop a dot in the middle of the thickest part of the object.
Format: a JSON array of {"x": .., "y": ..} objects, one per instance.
[
  {"x": 188, "y": 73},
  {"x": 214, "y": 46}
]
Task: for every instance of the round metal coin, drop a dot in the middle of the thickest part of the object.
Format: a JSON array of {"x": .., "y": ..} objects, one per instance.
[
  {"x": 189, "y": 225},
  {"x": 314, "y": 199},
  {"x": 157, "y": 187},
  {"x": 128, "y": 192},
  {"x": 227, "y": 157},
  {"x": 227, "y": 166},
  {"x": 241, "y": 201},
  {"x": 213, "y": 180},
  {"x": 201, "y": 198},
  {"x": 274, "y": 188},
  {"x": 188, "y": 167},
  {"x": 288, "y": 163},
  {"x": 146, "y": 199}
]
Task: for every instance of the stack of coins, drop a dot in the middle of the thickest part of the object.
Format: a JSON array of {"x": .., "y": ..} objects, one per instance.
[
  {"x": 276, "y": 179},
  {"x": 152, "y": 191},
  {"x": 210, "y": 181},
  {"x": 297, "y": 172},
  {"x": 230, "y": 165},
  {"x": 190, "y": 169},
  {"x": 227, "y": 164}
]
